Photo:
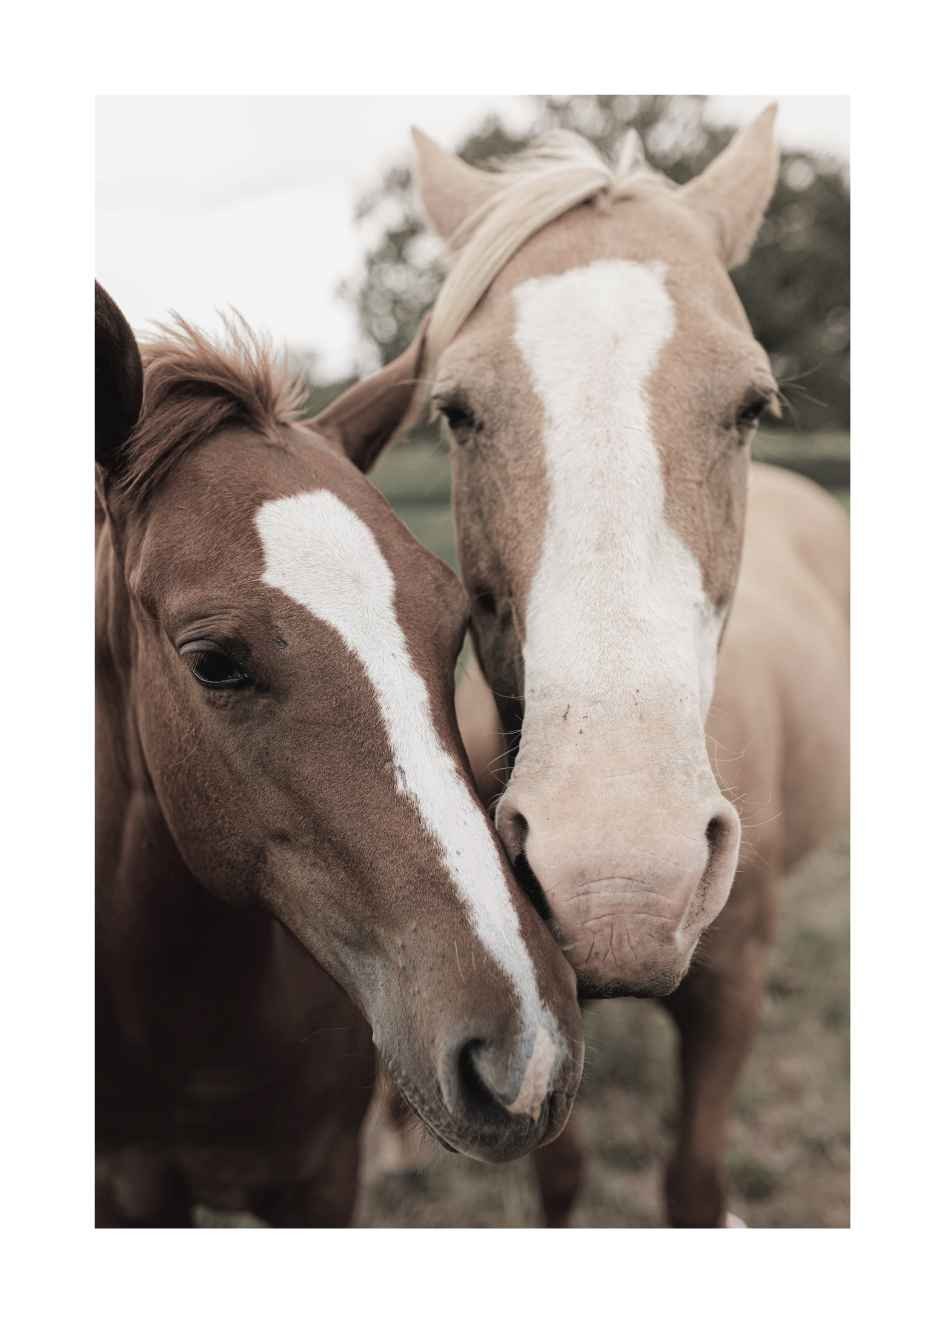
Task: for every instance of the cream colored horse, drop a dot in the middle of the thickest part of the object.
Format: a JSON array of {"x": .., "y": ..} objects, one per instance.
[{"x": 671, "y": 746}]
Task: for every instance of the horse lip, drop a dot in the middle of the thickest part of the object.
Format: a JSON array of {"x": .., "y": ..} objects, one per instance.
[{"x": 493, "y": 1146}]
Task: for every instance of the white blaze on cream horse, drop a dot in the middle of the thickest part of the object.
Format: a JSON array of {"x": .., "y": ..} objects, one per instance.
[{"x": 601, "y": 386}]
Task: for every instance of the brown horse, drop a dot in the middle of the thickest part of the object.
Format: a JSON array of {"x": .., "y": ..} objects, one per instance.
[
  {"x": 600, "y": 386},
  {"x": 285, "y": 814}
]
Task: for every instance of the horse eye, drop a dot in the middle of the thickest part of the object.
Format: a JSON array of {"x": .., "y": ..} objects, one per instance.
[
  {"x": 460, "y": 419},
  {"x": 214, "y": 668},
  {"x": 750, "y": 414}
]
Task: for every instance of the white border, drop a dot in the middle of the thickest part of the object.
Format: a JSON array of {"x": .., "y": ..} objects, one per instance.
[{"x": 57, "y": 59}]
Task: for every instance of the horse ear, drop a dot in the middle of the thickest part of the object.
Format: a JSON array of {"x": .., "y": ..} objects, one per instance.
[
  {"x": 368, "y": 414},
  {"x": 118, "y": 379},
  {"x": 450, "y": 190},
  {"x": 733, "y": 193}
]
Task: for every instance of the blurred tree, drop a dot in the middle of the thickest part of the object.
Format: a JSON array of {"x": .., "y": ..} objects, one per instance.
[{"x": 796, "y": 287}]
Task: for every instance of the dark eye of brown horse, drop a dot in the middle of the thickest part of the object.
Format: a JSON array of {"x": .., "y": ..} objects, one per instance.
[{"x": 213, "y": 667}]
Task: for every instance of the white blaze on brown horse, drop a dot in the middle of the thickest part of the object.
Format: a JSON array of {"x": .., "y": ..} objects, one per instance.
[
  {"x": 674, "y": 744},
  {"x": 284, "y": 811}
]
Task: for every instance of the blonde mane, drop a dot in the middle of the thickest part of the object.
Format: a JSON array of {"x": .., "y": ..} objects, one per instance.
[{"x": 559, "y": 171}]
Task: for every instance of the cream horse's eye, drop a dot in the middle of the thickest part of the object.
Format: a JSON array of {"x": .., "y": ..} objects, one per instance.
[
  {"x": 458, "y": 417},
  {"x": 752, "y": 412}
]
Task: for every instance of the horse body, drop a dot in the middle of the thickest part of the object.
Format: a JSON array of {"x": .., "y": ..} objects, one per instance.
[
  {"x": 778, "y": 739},
  {"x": 664, "y": 639},
  {"x": 277, "y": 764}
]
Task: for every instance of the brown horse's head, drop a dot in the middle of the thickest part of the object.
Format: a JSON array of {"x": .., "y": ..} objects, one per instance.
[
  {"x": 600, "y": 385},
  {"x": 280, "y": 651}
]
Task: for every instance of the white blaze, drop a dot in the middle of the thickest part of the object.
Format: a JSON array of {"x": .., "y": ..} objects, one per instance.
[
  {"x": 616, "y": 607},
  {"x": 319, "y": 553}
]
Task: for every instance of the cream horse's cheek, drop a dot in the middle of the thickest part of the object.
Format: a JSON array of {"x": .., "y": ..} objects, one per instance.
[
  {"x": 617, "y": 600},
  {"x": 318, "y": 552}
]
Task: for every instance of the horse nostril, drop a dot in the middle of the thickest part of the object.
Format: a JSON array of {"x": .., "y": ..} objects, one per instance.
[
  {"x": 718, "y": 834},
  {"x": 531, "y": 887},
  {"x": 474, "y": 1087},
  {"x": 512, "y": 826},
  {"x": 485, "y": 600}
]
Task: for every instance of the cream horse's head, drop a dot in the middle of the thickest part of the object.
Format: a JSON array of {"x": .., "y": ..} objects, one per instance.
[{"x": 601, "y": 385}]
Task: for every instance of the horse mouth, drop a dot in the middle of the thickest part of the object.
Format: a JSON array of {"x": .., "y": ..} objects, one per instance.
[
  {"x": 595, "y": 989},
  {"x": 494, "y": 1142}
]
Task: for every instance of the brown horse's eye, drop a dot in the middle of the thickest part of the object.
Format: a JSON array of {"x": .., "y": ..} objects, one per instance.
[{"x": 213, "y": 667}]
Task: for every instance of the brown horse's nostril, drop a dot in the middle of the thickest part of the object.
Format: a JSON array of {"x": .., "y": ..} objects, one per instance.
[
  {"x": 480, "y": 1092},
  {"x": 494, "y": 1082}
]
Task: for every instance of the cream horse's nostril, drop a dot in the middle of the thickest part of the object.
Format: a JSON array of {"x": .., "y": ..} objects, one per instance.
[
  {"x": 722, "y": 833},
  {"x": 512, "y": 826}
]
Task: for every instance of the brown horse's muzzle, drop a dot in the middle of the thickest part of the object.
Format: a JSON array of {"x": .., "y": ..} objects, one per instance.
[
  {"x": 506, "y": 1096},
  {"x": 490, "y": 1076}
]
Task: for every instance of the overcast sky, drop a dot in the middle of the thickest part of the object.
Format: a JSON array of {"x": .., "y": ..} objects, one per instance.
[{"x": 207, "y": 202}]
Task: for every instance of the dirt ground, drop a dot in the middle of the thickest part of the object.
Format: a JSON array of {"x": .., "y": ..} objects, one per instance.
[{"x": 789, "y": 1150}]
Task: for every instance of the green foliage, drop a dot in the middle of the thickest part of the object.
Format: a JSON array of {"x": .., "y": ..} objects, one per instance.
[{"x": 796, "y": 287}]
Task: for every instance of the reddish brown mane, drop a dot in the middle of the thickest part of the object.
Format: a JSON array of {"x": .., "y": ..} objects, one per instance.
[{"x": 194, "y": 386}]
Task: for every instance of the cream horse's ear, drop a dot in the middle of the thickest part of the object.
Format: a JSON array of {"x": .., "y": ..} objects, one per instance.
[
  {"x": 734, "y": 191},
  {"x": 450, "y": 190}
]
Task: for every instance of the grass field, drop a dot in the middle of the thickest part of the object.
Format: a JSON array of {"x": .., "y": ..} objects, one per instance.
[{"x": 789, "y": 1152}]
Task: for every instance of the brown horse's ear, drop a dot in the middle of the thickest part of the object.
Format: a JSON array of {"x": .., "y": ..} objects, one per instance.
[
  {"x": 450, "y": 190},
  {"x": 367, "y": 415},
  {"x": 118, "y": 380},
  {"x": 733, "y": 193}
]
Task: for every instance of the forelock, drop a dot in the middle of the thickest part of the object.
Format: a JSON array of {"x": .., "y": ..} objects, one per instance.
[
  {"x": 194, "y": 386},
  {"x": 558, "y": 172}
]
